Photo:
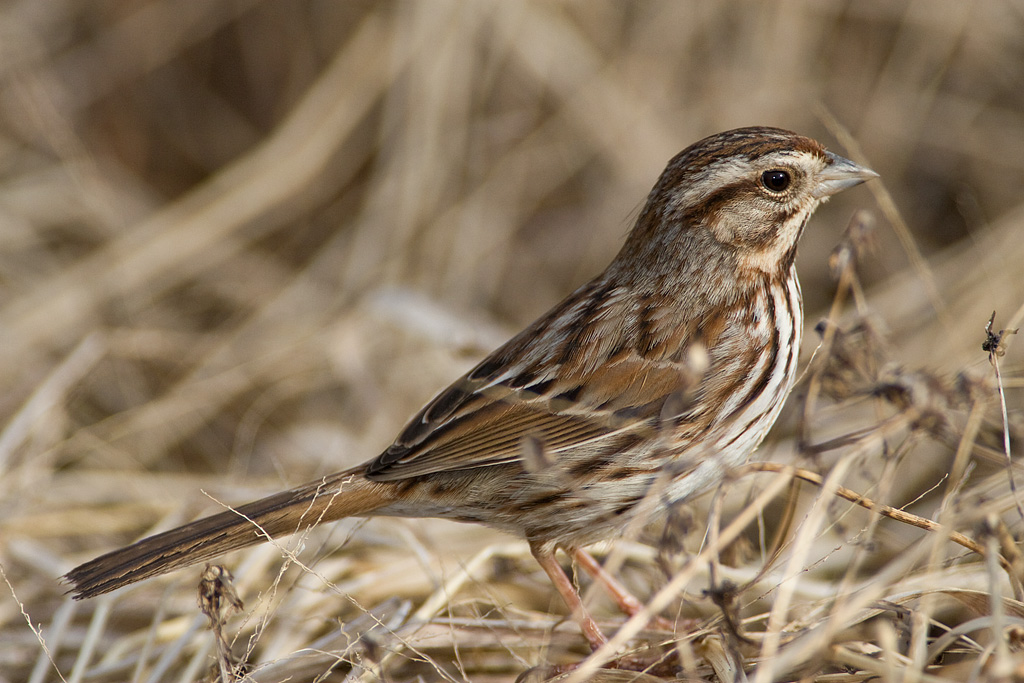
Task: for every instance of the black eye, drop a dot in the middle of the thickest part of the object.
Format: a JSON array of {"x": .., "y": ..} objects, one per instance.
[{"x": 776, "y": 181}]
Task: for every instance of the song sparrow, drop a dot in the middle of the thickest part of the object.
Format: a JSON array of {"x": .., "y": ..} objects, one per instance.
[{"x": 658, "y": 375}]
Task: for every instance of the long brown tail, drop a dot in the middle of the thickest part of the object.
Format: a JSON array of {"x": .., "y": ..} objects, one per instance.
[{"x": 346, "y": 494}]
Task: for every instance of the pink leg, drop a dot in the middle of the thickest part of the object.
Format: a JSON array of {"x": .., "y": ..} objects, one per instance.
[
  {"x": 546, "y": 559},
  {"x": 626, "y": 601}
]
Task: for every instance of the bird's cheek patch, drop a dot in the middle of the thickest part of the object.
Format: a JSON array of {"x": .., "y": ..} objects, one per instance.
[{"x": 743, "y": 224}]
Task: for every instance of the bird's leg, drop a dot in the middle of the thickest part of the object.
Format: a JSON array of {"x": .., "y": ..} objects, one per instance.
[
  {"x": 627, "y": 602},
  {"x": 545, "y": 555}
]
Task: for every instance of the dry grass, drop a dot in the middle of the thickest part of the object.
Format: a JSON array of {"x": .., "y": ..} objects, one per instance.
[{"x": 243, "y": 241}]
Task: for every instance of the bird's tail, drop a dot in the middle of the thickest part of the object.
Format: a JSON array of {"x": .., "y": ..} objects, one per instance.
[{"x": 347, "y": 494}]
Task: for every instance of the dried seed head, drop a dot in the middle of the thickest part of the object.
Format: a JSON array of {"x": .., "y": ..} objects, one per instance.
[
  {"x": 858, "y": 240},
  {"x": 856, "y": 357},
  {"x": 536, "y": 457}
]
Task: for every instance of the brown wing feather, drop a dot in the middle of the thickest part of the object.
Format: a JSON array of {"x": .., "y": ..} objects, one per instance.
[
  {"x": 456, "y": 445},
  {"x": 482, "y": 419}
]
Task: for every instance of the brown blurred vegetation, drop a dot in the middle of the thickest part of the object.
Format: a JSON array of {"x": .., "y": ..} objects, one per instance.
[{"x": 241, "y": 242}]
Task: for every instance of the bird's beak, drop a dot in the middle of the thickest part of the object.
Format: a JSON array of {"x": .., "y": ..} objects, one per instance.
[{"x": 840, "y": 174}]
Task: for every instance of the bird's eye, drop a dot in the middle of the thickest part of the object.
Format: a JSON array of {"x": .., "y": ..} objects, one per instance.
[{"x": 775, "y": 180}]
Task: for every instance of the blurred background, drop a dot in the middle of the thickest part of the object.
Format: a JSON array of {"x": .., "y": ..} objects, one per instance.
[{"x": 241, "y": 242}]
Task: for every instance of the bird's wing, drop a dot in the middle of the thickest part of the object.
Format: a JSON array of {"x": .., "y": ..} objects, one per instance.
[{"x": 571, "y": 380}]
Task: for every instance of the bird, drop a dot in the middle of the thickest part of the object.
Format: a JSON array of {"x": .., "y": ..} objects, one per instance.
[{"x": 639, "y": 390}]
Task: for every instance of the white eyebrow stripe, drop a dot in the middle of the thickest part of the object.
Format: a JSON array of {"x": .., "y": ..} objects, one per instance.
[
  {"x": 715, "y": 176},
  {"x": 730, "y": 170}
]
